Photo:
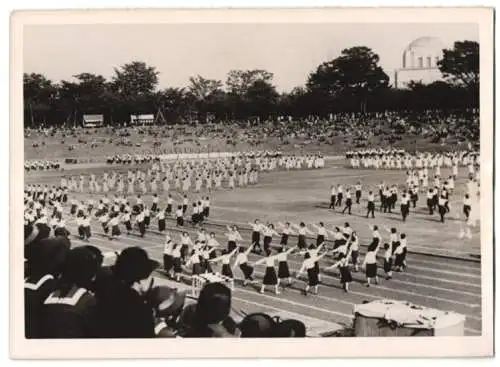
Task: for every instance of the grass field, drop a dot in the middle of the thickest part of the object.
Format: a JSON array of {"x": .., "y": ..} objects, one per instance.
[
  {"x": 451, "y": 280},
  {"x": 107, "y": 144}
]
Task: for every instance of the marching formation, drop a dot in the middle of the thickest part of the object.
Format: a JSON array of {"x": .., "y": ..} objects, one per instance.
[{"x": 399, "y": 159}]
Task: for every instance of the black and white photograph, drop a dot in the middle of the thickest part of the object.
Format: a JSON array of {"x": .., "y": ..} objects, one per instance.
[{"x": 240, "y": 174}]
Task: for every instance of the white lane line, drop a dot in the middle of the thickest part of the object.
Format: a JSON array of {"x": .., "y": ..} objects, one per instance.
[{"x": 354, "y": 292}]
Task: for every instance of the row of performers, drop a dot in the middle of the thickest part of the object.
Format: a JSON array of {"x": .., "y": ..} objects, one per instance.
[
  {"x": 42, "y": 165},
  {"x": 177, "y": 256}
]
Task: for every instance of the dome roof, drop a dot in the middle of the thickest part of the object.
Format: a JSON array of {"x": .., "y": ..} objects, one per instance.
[{"x": 427, "y": 43}]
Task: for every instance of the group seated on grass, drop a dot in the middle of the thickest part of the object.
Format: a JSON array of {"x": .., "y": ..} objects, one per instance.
[{"x": 341, "y": 131}]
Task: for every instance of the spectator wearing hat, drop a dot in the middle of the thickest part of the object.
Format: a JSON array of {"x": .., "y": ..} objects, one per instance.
[
  {"x": 211, "y": 315},
  {"x": 44, "y": 266},
  {"x": 123, "y": 309},
  {"x": 69, "y": 311}
]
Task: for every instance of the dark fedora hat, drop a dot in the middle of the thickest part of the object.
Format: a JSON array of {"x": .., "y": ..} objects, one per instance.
[{"x": 133, "y": 264}]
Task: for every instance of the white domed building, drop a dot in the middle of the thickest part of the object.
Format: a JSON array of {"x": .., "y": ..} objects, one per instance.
[{"x": 419, "y": 62}]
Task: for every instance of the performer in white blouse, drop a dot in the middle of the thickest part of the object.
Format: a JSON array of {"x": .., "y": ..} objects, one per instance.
[
  {"x": 268, "y": 232},
  {"x": 233, "y": 236},
  {"x": 270, "y": 277},
  {"x": 322, "y": 235},
  {"x": 242, "y": 262},
  {"x": 283, "y": 268},
  {"x": 302, "y": 232},
  {"x": 286, "y": 231},
  {"x": 309, "y": 265},
  {"x": 225, "y": 259}
]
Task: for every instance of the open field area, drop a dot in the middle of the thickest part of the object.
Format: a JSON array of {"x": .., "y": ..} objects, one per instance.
[
  {"x": 142, "y": 141},
  {"x": 449, "y": 280}
]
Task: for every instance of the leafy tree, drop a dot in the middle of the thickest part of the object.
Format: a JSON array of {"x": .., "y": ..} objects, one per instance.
[
  {"x": 354, "y": 74},
  {"x": 39, "y": 93},
  {"x": 135, "y": 79},
  {"x": 204, "y": 93},
  {"x": 461, "y": 64}
]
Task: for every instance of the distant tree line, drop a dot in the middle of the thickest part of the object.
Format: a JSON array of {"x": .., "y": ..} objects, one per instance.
[{"x": 352, "y": 82}]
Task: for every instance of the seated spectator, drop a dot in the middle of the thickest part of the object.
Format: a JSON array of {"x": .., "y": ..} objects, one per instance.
[
  {"x": 122, "y": 307},
  {"x": 69, "y": 311},
  {"x": 210, "y": 318},
  {"x": 44, "y": 266}
]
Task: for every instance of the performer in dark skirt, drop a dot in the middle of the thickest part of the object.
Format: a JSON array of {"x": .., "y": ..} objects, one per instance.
[
  {"x": 139, "y": 219},
  {"x": 169, "y": 204},
  {"x": 154, "y": 206},
  {"x": 302, "y": 231},
  {"x": 104, "y": 223},
  {"x": 285, "y": 233},
  {"x": 256, "y": 228},
  {"x": 400, "y": 255},
  {"x": 312, "y": 271},
  {"x": 161, "y": 221},
  {"x": 322, "y": 235},
  {"x": 345, "y": 272},
  {"x": 233, "y": 236},
  {"x": 194, "y": 260},
  {"x": 270, "y": 277},
  {"x": 179, "y": 217},
  {"x": 186, "y": 243},
  {"x": 268, "y": 236},
  {"x": 73, "y": 207},
  {"x": 242, "y": 261},
  {"x": 225, "y": 259},
  {"x": 207, "y": 253},
  {"x": 168, "y": 260},
  {"x": 467, "y": 206},
  {"x": 114, "y": 224},
  {"x": 177, "y": 261},
  {"x": 387, "y": 261},
  {"x": 370, "y": 262},
  {"x": 147, "y": 217},
  {"x": 283, "y": 269}
]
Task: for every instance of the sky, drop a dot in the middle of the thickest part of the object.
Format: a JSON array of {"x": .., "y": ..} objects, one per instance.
[{"x": 178, "y": 51}]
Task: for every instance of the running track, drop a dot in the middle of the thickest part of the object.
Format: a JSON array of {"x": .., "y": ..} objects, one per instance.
[{"x": 442, "y": 283}]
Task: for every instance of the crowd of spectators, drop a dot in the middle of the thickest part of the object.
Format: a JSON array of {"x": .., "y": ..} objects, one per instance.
[{"x": 340, "y": 132}]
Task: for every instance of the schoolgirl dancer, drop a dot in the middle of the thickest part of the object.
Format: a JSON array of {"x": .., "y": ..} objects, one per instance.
[
  {"x": 207, "y": 253},
  {"x": 104, "y": 220},
  {"x": 242, "y": 262},
  {"x": 322, "y": 235},
  {"x": 170, "y": 203},
  {"x": 345, "y": 273},
  {"x": 195, "y": 261},
  {"x": 283, "y": 269},
  {"x": 225, "y": 259},
  {"x": 177, "y": 261},
  {"x": 268, "y": 233},
  {"x": 147, "y": 217},
  {"x": 286, "y": 231},
  {"x": 370, "y": 261},
  {"x": 154, "y": 206},
  {"x": 309, "y": 265},
  {"x": 354, "y": 251},
  {"x": 270, "y": 277},
  {"x": 466, "y": 206},
  {"x": 302, "y": 231},
  {"x": 114, "y": 224},
  {"x": 179, "y": 217},
  {"x": 139, "y": 219},
  {"x": 393, "y": 238},
  {"x": 168, "y": 260},
  {"x": 161, "y": 221},
  {"x": 338, "y": 238},
  {"x": 186, "y": 244},
  {"x": 232, "y": 237},
  {"x": 388, "y": 261},
  {"x": 86, "y": 232},
  {"x": 256, "y": 228},
  {"x": 405, "y": 205},
  {"x": 400, "y": 255}
]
